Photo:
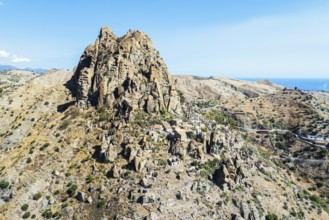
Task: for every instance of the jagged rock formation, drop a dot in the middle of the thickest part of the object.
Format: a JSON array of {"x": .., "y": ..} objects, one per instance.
[{"x": 124, "y": 73}]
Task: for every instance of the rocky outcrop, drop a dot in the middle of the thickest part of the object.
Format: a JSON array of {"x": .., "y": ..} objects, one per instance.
[
  {"x": 125, "y": 74},
  {"x": 107, "y": 152},
  {"x": 232, "y": 171},
  {"x": 214, "y": 145},
  {"x": 114, "y": 172}
]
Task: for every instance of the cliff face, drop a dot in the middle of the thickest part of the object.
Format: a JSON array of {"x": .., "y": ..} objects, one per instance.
[{"x": 124, "y": 73}]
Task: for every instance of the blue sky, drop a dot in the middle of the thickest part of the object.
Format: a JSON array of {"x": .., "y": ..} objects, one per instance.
[{"x": 232, "y": 38}]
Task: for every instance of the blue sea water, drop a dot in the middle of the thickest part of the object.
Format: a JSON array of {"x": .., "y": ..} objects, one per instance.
[{"x": 304, "y": 84}]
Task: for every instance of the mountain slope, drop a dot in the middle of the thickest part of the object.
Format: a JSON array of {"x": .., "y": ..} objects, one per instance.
[
  {"x": 216, "y": 88},
  {"x": 71, "y": 151}
]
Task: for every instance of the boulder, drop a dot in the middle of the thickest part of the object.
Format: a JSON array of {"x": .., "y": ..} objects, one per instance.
[
  {"x": 139, "y": 163},
  {"x": 244, "y": 210},
  {"x": 81, "y": 196},
  {"x": 114, "y": 172}
]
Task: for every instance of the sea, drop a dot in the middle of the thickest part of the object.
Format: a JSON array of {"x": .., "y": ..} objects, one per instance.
[{"x": 303, "y": 84}]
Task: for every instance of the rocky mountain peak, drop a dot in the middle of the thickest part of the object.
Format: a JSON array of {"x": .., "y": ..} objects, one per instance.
[{"x": 124, "y": 73}]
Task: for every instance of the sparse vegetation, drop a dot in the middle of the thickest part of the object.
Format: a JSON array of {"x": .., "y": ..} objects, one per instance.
[
  {"x": 44, "y": 146},
  {"x": 37, "y": 196},
  {"x": 4, "y": 184},
  {"x": 221, "y": 117},
  {"x": 25, "y": 207},
  {"x": 26, "y": 215},
  {"x": 64, "y": 125},
  {"x": 272, "y": 216},
  {"x": 90, "y": 178},
  {"x": 182, "y": 98},
  {"x": 72, "y": 190},
  {"x": 162, "y": 162},
  {"x": 48, "y": 214}
]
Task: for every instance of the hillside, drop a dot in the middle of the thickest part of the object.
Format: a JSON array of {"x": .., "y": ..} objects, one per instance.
[
  {"x": 219, "y": 88},
  {"x": 120, "y": 138}
]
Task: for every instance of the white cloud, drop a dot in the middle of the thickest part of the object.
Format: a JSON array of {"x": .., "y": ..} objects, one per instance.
[
  {"x": 4, "y": 53},
  {"x": 16, "y": 59}
]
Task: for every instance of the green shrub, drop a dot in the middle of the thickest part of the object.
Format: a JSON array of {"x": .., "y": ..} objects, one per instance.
[
  {"x": 190, "y": 134},
  {"x": 72, "y": 190},
  {"x": 103, "y": 117},
  {"x": 37, "y": 196},
  {"x": 48, "y": 214},
  {"x": 44, "y": 146},
  {"x": 29, "y": 160},
  {"x": 26, "y": 215},
  {"x": 162, "y": 162},
  {"x": 211, "y": 165},
  {"x": 57, "y": 215},
  {"x": 195, "y": 163},
  {"x": 279, "y": 145},
  {"x": 64, "y": 125},
  {"x": 204, "y": 129},
  {"x": 85, "y": 160},
  {"x": 182, "y": 98},
  {"x": 293, "y": 213},
  {"x": 221, "y": 117},
  {"x": 272, "y": 216},
  {"x": 102, "y": 109},
  {"x": 25, "y": 207},
  {"x": 90, "y": 178},
  {"x": 4, "y": 184},
  {"x": 204, "y": 173},
  {"x": 320, "y": 202},
  {"x": 155, "y": 174}
]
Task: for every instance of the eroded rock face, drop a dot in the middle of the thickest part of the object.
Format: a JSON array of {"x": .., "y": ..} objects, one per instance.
[
  {"x": 232, "y": 171},
  {"x": 125, "y": 74}
]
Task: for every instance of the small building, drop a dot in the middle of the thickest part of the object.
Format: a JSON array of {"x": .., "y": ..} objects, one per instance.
[
  {"x": 317, "y": 138},
  {"x": 174, "y": 161}
]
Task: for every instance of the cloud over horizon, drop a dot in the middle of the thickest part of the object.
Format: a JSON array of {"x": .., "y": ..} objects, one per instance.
[
  {"x": 16, "y": 59},
  {"x": 13, "y": 58},
  {"x": 4, "y": 54}
]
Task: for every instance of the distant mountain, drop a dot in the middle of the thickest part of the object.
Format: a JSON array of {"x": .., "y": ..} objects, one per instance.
[
  {"x": 35, "y": 70},
  {"x": 7, "y": 68}
]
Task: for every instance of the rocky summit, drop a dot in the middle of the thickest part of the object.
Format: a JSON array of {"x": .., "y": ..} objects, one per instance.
[
  {"x": 125, "y": 73},
  {"x": 119, "y": 138}
]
